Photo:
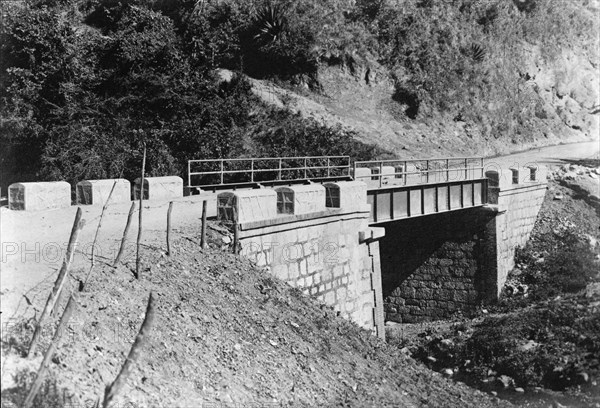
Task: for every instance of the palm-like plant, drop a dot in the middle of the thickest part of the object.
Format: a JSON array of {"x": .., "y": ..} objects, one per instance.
[
  {"x": 477, "y": 52},
  {"x": 270, "y": 23}
]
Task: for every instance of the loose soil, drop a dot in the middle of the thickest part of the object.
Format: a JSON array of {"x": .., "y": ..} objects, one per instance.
[{"x": 226, "y": 332}]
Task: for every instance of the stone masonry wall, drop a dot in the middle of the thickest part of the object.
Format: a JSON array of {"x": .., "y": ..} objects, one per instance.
[
  {"x": 434, "y": 266},
  {"x": 518, "y": 209},
  {"x": 322, "y": 255}
]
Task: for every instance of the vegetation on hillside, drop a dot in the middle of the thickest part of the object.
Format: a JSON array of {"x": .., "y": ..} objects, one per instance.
[{"x": 84, "y": 82}]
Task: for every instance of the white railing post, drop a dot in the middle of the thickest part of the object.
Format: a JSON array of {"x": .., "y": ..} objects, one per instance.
[
  {"x": 189, "y": 175},
  {"x": 280, "y": 165},
  {"x": 482, "y": 172},
  {"x": 305, "y": 167},
  {"x": 222, "y": 170}
]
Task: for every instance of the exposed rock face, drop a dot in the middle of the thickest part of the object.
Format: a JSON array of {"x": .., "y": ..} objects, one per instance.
[{"x": 569, "y": 88}]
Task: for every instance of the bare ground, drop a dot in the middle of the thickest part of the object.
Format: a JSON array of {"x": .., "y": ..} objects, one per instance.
[{"x": 227, "y": 333}]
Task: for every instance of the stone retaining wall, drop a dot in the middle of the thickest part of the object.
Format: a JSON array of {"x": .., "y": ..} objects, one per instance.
[
  {"x": 322, "y": 255},
  {"x": 518, "y": 207}
]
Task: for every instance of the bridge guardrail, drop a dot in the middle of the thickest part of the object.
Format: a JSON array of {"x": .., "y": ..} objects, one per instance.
[
  {"x": 234, "y": 172},
  {"x": 418, "y": 171}
]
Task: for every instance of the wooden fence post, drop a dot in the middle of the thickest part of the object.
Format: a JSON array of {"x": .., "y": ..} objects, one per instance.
[
  {"x": 236, "y": 236},
  {"x": 112, "y": 390},
  {"x": 60, "y": 280},
  {"x": 49, "y": 353},
  {"x": 125, "y": 232},
  {"x": 139, "y": 236},
  {"x": 82, "y": 284},
  {"x": 169, "y": 228},
  {"x": 203, "y": 230}
]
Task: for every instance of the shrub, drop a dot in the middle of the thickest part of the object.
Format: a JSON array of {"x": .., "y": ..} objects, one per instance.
[
  {"x": 554, "y": 265},
  {"x": 565, "y": 333}
]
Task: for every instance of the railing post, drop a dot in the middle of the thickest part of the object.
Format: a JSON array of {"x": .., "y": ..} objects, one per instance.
[
  {"x": 405, "y": 172},
  {"x": 252, "y": 170},
  {"x": 189, "y": 175},
  {"x": 466, "y": 169},
  {"x": 380, "y": 173},
  {"x": 447, "y": 169},
  {"x": 482, "y": 172},
  {"x": 222, "y": 169},
  {"x": 427, "y": 169},
  {"x": 305, "y": 167},
  {"x": 328, "y": 168},
  {"x": 348, "y": 165},
  {"x": 280, "y": 165}
]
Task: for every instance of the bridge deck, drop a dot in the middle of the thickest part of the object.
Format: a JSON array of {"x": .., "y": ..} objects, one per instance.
[
  {"x": 395, "y": 202},
  {"x": 396, "y": 189}
]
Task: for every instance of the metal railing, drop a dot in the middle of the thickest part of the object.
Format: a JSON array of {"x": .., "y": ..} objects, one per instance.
[
  {"x": 418, "y": 171},
  {"x": 229, "y": 172}
]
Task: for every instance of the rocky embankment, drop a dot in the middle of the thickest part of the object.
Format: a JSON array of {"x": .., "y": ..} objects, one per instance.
[{"x": 538, "y": 346}]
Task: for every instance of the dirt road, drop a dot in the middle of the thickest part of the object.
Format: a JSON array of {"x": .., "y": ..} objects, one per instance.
[{"x": 549, "y": 156}]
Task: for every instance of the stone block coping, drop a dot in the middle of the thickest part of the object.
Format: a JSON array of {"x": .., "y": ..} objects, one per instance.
[
  {"x": 159, "y": 188},
  {"x": 38, "y": 196},
  {"x": 300, "y": 199},
  {"x": 251, "y": 205},
  {"x": 96, "y": 192}
]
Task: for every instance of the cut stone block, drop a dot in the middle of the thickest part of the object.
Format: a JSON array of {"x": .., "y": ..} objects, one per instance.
[
  {"x": 96, "y": 192},
  {"x": 348, "y": 195},
  {"x": 300, "y": 199},
  {"x": 159, "y": 188},
  {"x": 362, "y": 174},
  {"x": 39, "y": 196},
  {"x": 251, "y": 205},
  {"x": 387, "y": 173}
]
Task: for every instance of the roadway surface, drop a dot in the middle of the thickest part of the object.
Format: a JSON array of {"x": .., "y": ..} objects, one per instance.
[{"x": 549, "y": 156}]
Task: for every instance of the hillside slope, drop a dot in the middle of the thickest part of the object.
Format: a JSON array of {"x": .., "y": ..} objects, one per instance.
[
  {"x": 567, "y": 111},
  {"x": 226, "y": 333}
]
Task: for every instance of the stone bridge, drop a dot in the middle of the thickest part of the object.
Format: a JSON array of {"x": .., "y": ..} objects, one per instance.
[{"x": 398, "y": 240}]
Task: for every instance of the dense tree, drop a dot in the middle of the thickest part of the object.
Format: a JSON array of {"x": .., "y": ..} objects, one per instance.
[{"x": 84, "y": 82}]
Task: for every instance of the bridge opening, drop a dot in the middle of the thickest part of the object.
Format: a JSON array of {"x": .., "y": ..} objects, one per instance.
[{"x": 434, "y": 266}]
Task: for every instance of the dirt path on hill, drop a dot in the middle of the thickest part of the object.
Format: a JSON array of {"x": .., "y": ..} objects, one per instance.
[{"x": 550, "y": 156}]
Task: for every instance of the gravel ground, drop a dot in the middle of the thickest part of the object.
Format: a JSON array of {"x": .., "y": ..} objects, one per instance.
[{"x": 226, "y": 335}]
